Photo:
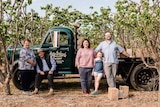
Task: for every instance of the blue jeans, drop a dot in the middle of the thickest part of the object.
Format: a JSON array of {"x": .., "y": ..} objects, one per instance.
[{"x": 86, "y": 78}]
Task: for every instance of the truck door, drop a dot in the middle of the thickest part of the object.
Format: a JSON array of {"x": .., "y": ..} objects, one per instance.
[{"x": 60, "y": 46}]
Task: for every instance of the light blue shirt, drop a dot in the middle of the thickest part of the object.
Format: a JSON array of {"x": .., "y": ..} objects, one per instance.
[
  {"x": 45, "y": 66},
  {"x": 110, "y": 51}
]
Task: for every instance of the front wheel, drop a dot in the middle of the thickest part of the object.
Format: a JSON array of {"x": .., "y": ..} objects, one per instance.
[
  {"x": 16, "y": 78},
  {"x": 144, "y": 78}
]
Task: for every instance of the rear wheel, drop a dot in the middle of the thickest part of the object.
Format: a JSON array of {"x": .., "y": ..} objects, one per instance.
[
  {"x": 144, "y": 78},
  {"x": 16, "y": 78}
]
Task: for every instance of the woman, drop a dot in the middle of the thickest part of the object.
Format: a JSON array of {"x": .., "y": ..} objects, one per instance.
[
  {"x": 26, "y": 65},
  {"x": 85, "y": 62}
]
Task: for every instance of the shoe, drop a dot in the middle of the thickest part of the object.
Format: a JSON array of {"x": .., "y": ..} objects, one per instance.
[
  {"x": 94, "y": 93},
  {"x": 85, "y": 92},
  {"x": 88, "y": 91},
  {"x": 26, "y": 92},
  {"x": 35, "y": 91},
  {"x": 51, "y": 92}
]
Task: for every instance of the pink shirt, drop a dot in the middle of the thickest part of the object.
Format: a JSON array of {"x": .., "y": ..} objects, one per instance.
[{"x": 85, "y": 57}]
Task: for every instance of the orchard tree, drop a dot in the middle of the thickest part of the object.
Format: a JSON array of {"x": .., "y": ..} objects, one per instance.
[
  {"x": 137, "y": 26},
  {"x": 11, "y": 30}
]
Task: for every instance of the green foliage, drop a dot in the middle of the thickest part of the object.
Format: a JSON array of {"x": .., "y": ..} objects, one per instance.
[{"x": 133, "y": 25}]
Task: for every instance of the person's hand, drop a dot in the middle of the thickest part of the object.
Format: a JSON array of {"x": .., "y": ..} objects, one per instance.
[
  {"x": 50, "y": 72},
  {"x": 41, "y": 73},
  {"x": 33, "y": 63},
  {"x": 130, "y": 56},
  {"x": 92, "y": 73}
]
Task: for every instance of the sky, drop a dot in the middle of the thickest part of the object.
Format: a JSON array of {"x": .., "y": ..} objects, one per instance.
[{"x": 81, "y": 5}]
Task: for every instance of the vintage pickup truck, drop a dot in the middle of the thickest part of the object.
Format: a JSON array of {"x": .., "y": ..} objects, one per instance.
[{"x": 61, "y": 43}]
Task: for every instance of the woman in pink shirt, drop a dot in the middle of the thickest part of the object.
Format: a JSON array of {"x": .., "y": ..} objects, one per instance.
[{"x": 85, "y": 62}]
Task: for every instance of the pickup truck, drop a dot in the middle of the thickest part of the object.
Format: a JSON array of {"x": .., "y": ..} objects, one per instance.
[{"x": 61, "y": 44}]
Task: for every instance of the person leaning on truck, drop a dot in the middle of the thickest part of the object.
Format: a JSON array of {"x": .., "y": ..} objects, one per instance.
[
  {"x": 45, "y": 67},
  {"x": 110, "y": 49},
  {"x": 26, "y": 65},
  {"x": 85, "y": 62}
]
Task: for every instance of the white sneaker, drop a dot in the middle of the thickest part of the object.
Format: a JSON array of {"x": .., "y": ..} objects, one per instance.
[
  {"x": 35, "y": 91},
  {"x": 51, "y": 92},
  {"x": 26, "y": 92}
]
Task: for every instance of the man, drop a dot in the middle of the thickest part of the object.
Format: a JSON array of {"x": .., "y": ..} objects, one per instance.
[
  {"x": 45, "y": 67},
  {"x": 110, "y": 49}
]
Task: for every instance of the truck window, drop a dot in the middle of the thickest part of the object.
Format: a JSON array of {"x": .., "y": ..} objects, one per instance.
[
  {"x": 56, "y": 39},
  {"x": 63, "y": 40},
  {"x": 48, "y": 39}
]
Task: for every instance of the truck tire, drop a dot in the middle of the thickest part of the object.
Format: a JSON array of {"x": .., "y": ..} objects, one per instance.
[
  {"x": 16, "y": 79},
  {"x": 143, "y": 78}
]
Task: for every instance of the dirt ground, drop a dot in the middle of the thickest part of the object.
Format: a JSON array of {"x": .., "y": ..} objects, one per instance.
[{"x": 68, "y": 94}]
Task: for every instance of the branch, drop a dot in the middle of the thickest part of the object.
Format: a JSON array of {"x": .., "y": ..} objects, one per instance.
[{"x": 143, "y": 59}]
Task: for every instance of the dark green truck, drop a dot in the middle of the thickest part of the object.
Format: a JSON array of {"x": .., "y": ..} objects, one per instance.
[{"x": 61, "y": 43}]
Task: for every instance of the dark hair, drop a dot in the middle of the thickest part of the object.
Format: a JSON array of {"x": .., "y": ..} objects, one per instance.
[
  {"x": 87, "y": 41},
  {"x": 100, "y": 52},
  {"x": 26, "y": 39}
]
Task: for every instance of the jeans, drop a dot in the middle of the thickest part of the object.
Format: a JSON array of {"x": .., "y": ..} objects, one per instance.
[
  {"x": 86, "y": 78},
  {"x": 39, "y": 79},
  {"x": 110, "y": 71}
]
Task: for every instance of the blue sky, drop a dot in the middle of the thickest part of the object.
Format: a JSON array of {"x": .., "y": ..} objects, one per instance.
[{"x": 81, "y": 5}]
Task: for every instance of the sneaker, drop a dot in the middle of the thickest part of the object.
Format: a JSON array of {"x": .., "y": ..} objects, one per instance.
[
  {"x": 26, "y": 92},
  {"x": 35, "y": 91},
  {"x": 51, "y": 92},
  {"x": 94, "y": 93}
]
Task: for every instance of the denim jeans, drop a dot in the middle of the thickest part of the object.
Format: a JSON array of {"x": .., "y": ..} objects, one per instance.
[
  {"x": 86, "y": 78},
  {"x": 39, "y": 79}
]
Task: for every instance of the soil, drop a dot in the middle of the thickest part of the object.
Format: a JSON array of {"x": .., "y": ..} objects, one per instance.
[{"x": 68, "y": 94}]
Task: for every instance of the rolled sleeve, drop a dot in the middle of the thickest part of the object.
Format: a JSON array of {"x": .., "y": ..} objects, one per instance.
[
  {"x": 99, "y": 47},
  {"x": 120, "y": 49},
  {"x": 37, "y": 68},
  {"x": 53, "y": 63}
]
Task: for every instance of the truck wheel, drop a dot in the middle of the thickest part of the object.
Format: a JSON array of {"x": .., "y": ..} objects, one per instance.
[
  {"x": 16, "y": 79},
  {"x": 143, "y": 78}
]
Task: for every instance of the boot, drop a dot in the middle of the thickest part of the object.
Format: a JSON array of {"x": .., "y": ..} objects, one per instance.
[
  {"x": 51, "y": 92},
  {"x": 35, "y": 91}
]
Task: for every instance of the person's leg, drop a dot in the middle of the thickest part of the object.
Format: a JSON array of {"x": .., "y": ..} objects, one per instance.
[
  {"x": 109, "y": 75},
  {"x": 38, "y": 80},
  {"x": 97, "y": 81},
  {"x": 114, "y": 71},
  {"x": 50, "y": 80},
  {"x": 24, "y": 78},
  {"x": 83, "y": 79},
  {"x": 89, "y": 79},
  {"x": 50, "y": 83}
]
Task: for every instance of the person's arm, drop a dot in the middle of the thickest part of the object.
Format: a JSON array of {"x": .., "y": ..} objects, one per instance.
[
  {"x": 78, "y": 58},
  {"x": 99, "y": 47},
  {"x": 53, "y": 63},
  {"x": 123, "y": 51},
  {"x": 126, "y": 54},
  {"x": 37, "y": 69}
]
